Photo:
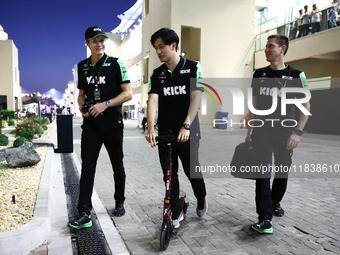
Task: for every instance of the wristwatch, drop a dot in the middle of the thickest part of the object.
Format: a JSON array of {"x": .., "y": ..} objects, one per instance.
[
  {"x": 108, "y": 103},
  {"x": 186, "y": 126},
  {"x": 298, "y": 132}
]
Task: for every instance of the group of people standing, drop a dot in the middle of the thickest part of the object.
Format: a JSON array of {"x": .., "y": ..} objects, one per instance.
[
  {"x": 310, "y": 21},
  {"x": 104, "y": 80}
]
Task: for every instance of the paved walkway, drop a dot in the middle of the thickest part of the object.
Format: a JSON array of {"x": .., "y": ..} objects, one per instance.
[{"x": 310, "y": 225}]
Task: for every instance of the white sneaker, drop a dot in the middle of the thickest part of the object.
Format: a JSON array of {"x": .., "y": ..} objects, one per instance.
[
  {"x": 176, "y": 221},
  {"x": 202, "y": 212}
]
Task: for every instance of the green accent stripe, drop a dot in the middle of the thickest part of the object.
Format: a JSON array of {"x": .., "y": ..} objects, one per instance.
[
  {"x": 303, "y": 80},
  {"x": 183, "y": 63},
  {"x": 199, "y": 76},
  {"x": 150, "y": 82},
  {"x": 123, "y": 70}
]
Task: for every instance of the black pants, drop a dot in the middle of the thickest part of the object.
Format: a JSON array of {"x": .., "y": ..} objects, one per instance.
[
  {"x": 188, "y": 154},
  {"x": 264, "y": 146},
  {"x": 316, "y": 27},
  {"x": 144, "y": 121},
  {"x": 91, "y": 142},
  {"x": 305, "y": 29},
  {"x": 300, "y": 31}
]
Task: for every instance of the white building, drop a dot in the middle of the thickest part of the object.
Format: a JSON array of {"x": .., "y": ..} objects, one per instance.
[
  {"x": 10, "y": 90},
  {"x": 68, "y": 97}
]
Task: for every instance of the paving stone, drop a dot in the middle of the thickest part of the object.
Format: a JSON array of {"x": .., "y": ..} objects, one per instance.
[{"x": 311, "y": 204}]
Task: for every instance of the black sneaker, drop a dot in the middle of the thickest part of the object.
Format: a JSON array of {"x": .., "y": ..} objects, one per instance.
[
  {"x": 82, "y": 221},
  {"x": 119, "y": 210},
  {"x": 263, "y": 227},
  {"x": 277, "y": 210}
]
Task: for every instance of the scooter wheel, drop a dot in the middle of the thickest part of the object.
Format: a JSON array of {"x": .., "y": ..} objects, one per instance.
[{"x": 165, "y": 235}]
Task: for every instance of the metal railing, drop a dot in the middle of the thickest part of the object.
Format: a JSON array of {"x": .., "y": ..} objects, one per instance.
[{"x": 290, "y": 29}]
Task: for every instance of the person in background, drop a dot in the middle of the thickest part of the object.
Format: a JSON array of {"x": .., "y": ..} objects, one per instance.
[
  {"x": 333, "y": 13},
  {"x": 299, "y": 24},
  {"x": 316, "y": 18},
  {"x": 305, "y": 21}
]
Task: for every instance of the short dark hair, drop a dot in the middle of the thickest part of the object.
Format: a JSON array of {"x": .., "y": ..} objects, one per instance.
[
  {"x": 168, "y": 36},
  {"x": 280, "y": 40}
]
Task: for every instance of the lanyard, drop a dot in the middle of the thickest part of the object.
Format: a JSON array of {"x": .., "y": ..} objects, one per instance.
[
  {"x": 277, "y": 79},
  {"x": 98, "y": 72}
]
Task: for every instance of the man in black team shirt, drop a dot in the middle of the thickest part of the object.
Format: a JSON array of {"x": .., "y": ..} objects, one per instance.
[
  {"x": 177, "y": 111},
  {"x": 273, "y": 137},
  {"x": 104, "y": 81}
]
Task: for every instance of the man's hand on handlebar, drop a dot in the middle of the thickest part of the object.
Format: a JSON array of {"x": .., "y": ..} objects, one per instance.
[{"x": 183, "y": 135}]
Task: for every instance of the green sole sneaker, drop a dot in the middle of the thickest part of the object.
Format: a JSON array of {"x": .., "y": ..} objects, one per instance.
[
  {"x": 264, "y": 231},
  {"x": 85, "y": 225},
  {"x": 264, "y": 227}
]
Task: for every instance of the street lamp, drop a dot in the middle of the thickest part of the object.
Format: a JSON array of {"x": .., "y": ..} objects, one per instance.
[{"x": 52, "y": 90}]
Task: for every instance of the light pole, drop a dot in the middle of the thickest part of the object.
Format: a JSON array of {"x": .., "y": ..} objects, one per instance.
[{"x": 52, "y": 90}]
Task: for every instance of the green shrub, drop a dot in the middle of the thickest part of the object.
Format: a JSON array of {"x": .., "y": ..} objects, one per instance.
[
  {"x": 19, "y": 141},
  {"x": 41, "y": 121},
  {"x": 25, "y": 129},
  {"x": 12, "y": 122},
  {"x": 39, "y": 130},
  {"x": 29, "y": 128},
  {"x": 3, "y": 140},
  {"x": 4, "y": 124},
  {"x": 7, "y": 114}
]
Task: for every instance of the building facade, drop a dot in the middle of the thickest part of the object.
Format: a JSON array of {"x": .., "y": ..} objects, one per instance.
[{"x": 10, "y": 90}]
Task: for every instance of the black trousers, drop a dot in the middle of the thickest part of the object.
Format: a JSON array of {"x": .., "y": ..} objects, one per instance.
[
  {"x": 144, "y": 121},
  {"x": 188, "y": 154},
  {"x": 264, "y": 147},
  {"x": 91, "y": 143},
  {"x": 316, "y": 27}
]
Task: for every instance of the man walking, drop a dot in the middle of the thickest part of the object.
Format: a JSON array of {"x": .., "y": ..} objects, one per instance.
[
  {"x": 272, "y": 137},
  {"x": 103, "y": 86},
  {"x": 169, "y": 90}
]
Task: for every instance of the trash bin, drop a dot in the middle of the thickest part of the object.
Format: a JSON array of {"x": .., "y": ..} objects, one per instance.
[
  {"x": 47, "y": 115},
  {"x": 221, "y": 120},
  {"x": 64, "y": 133}
]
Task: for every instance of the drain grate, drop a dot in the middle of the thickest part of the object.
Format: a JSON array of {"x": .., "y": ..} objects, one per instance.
[{"x": 89, "y": 241}]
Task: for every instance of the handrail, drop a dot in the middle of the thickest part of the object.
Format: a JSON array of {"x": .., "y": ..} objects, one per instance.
[{"x": 289, "y": 31}]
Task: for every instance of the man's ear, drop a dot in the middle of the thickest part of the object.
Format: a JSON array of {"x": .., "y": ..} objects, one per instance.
[
  {"x": 284, "y": 47},
  {"x": 86, "y": 43},
  {"x": 173, "y": 46}
]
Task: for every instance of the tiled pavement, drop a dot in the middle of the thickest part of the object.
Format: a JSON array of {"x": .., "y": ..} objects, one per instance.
[{"x": 311, "y": 203}]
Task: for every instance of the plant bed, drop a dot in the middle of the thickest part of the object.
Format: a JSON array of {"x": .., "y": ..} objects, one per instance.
[{"x": 23, "y": 184}]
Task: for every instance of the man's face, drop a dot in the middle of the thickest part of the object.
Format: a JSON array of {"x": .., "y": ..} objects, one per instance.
[
  {"x": 273, "y": 50},
  {"x": 164, "y": 52},
  {"x": 97, "y": 45},
  {"x": 306, "y": 8}
]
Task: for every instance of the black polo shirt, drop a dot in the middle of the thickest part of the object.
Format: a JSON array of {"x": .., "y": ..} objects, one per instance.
[
  {"x": 264, "y": 80},
  {"x": 174, "y": 91},
  {"x": 112, "y": 74}
]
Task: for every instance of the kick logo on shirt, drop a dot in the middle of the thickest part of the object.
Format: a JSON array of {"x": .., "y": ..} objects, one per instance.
[{"x": 176, "y": 90}]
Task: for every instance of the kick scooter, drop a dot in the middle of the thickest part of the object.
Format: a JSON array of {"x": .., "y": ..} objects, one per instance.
[{"x": 167, "y": 141}]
